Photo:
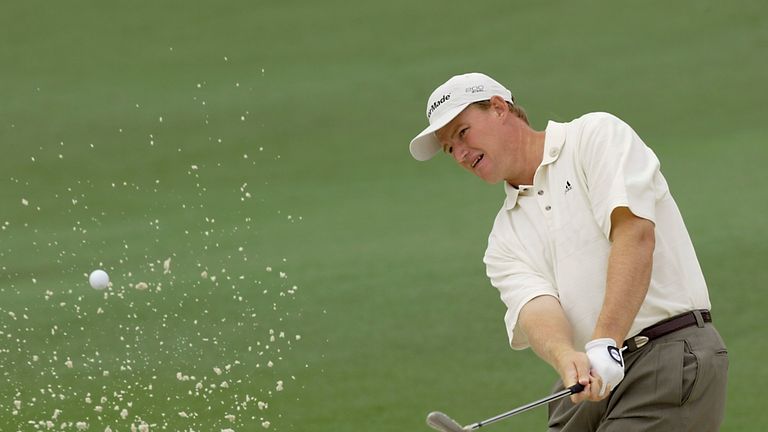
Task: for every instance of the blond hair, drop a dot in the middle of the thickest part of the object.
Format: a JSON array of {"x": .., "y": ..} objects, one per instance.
[{"x": 515, "y": 109}]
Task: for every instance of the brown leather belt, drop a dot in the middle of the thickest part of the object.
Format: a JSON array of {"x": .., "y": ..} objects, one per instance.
[{"x": 669, "y": 325}]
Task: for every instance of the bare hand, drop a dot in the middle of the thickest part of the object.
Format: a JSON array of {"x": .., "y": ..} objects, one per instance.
[{"x": 573, "y": 367}]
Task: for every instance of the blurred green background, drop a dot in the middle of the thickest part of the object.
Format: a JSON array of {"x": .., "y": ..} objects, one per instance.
[{"x": 320, "y": 279}]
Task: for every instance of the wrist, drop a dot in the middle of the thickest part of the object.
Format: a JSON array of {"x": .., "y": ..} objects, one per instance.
[
  {"x": 600, "y": 342},
  {"x": 601, "y": 332},
  {"x": 561, "y": 352}
]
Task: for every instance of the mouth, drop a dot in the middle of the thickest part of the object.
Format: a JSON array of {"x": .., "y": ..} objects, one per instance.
[{"x": 477, "y": 161}]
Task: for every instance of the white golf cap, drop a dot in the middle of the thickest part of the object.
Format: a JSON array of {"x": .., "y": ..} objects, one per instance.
[{"x": 448, "y": 101}]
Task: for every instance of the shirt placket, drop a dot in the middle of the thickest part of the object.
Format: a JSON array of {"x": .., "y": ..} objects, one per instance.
[{"x": 544, "y": 201}]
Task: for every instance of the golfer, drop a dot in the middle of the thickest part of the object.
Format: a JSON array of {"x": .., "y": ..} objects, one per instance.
[{"x": 592, "y": 259}]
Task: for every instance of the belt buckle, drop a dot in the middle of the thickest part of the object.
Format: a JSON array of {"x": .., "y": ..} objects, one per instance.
[
  {"x": 640, "y": 341},
  {"x": 635, "y": 343}
]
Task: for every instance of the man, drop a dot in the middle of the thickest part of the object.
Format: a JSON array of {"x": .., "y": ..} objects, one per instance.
[{"x": 592, "y": 259}]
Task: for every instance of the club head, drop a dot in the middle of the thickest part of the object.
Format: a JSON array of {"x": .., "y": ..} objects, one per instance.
[{"x": 439, "y": 421}]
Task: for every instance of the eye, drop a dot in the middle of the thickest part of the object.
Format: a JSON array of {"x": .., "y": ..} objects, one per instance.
[{"x": 463, "y": 132}]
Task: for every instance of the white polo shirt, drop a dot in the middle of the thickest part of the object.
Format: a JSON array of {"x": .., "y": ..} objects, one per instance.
[{"x": 551, "y": 238}]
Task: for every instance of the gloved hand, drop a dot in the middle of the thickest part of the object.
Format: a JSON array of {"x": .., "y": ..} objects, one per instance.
[{"x": 607, "y": 362}]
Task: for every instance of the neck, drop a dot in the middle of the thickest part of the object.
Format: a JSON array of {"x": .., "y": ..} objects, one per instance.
[{"x": 532, "y": 145}]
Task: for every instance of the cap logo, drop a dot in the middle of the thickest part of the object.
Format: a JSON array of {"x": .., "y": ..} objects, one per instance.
[
  {"x": 475, "y": 89},
  {"x": 436, "y": 104}
]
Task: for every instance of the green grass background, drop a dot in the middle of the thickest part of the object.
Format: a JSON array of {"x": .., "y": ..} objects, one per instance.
[{"x": 238, "y": 136}]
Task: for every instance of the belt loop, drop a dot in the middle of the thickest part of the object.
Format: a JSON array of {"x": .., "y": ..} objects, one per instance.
[{"x": 699, "y": 318}]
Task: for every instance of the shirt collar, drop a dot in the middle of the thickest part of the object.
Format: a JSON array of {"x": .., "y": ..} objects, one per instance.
[{"x": 553, "y": 144}]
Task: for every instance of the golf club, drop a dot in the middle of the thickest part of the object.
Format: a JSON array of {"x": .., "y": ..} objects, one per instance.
[{"x": 443, "y": 423}]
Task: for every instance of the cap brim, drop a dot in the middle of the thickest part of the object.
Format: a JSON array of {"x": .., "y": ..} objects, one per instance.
[{"x": 426, "y": 145}]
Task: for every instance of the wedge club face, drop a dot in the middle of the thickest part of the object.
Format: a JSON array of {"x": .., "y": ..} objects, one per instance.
[{"x": 439, "y": 421}]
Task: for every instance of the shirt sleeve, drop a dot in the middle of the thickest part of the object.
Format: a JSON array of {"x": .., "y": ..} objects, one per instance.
[
  {"x": 517, "y": 283},
  {"x": 620, "y": 170}
]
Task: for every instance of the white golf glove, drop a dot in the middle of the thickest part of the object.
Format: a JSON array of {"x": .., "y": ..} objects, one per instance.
[{"x": 607, "y": 362}]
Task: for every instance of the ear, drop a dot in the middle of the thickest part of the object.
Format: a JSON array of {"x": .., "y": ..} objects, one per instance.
[{"x": 499, "y": 106}]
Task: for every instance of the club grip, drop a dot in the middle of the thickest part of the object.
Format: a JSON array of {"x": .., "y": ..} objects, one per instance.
[{"x": 576, "y": 388}]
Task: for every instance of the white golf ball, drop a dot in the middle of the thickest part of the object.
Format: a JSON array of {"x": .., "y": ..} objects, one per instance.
[{"x": 99, "y": 279}]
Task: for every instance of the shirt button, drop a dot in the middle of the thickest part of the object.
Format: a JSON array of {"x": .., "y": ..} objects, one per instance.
[
  {"x": 541, "y": 192},
  {"x": 548, "y": 208},
  {"x": 554, "y": 152}
]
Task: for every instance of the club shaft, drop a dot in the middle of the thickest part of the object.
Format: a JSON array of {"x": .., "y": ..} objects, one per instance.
[{"x": 550, "y": 398}]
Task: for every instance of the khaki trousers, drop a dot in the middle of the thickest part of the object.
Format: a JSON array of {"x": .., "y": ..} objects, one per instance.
[{"x": 674, "y": 383}]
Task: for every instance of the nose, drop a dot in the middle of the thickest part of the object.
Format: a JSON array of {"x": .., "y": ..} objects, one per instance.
[{"x": 460, "y": 152}]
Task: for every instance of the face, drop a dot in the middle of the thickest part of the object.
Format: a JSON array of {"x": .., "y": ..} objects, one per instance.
[{"x": 482, "y": 142}]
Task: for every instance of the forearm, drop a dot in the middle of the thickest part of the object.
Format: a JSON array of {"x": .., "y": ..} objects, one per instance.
[
  {"x": 550, "y": 335},
  {"x": 629, "y": 275},
  {"x": 548, "y": 330}
]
